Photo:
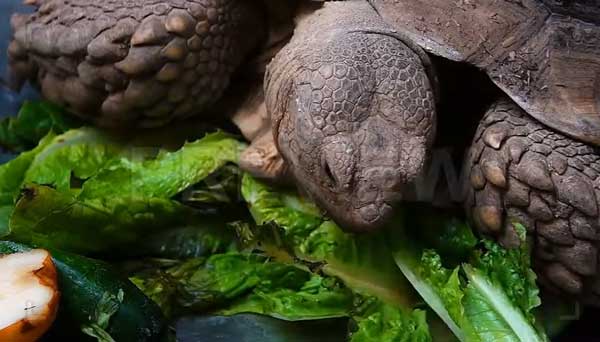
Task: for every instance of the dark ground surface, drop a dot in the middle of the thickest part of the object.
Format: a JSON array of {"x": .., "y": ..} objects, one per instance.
[
  {"x": 9, "y": 101},
  {"x": 585, "y": 329}
]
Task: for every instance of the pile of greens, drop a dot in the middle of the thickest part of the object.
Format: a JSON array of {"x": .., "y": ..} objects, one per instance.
[{"x": 202, "y": 240}]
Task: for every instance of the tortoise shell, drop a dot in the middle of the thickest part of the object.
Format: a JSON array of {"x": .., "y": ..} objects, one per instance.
[{"x": 545, "y": 55}]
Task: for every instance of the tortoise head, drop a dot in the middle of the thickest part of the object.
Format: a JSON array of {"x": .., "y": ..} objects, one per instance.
[{"x": 354, "y": 134}]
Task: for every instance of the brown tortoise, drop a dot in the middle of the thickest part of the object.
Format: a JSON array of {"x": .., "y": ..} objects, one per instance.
[{"x": 349, "y": 108}]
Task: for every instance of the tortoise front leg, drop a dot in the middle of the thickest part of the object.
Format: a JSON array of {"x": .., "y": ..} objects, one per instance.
[
  {"x": 520, "y": 171},
  {"x": 135, "y": 62},
  {"x": 262, "y": 158}
]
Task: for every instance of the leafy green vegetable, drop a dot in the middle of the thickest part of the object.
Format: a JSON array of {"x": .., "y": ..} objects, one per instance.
[
  {"x": 168, "y": 173},
  {"x": 222, "y": 187},
  {"x": 208, "y": 235},
  {"x": 315, "y": 298},
  {"x": 439, "y": 287},
  {"x": 33, "y": 122},
  {"x": 511, "y": 270},
  {"x": 50, "y": 218},
  {"x": 377, "y": 321},
  {"x": 236, "y": 283},
  {"x": 87, "y": 192},
  {"x": 502, "y": 293},
  {"x": 441, "y": 231},
  {"x": 160, "y": 287},
  {"x": 12, "y": 175},
  {"x": 489, "y": 299},
  {"x": 363, "y": 262},
  {"x": 494, "y": 316},
  {"x": 78, "y": 153}
]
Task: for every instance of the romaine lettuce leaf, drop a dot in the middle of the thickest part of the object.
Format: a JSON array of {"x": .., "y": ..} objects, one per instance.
[
  {"x": 235, "y": 283},
  {"x": 221, "y": 187},
  {"x": 12, "y": 175},
  {"x": 76, "y": 154},
  {"x": 207, "y": 236},
  {"x": 48, "y": 218},
  {"x": 377, "y": 321},
  {"x": 160, "y": 287},
  {"x": 168, "y": 173},
  {"x": 363, "y": 262},
  {"x": 316, "y": 298},
  {"x": 494, "y": 317},
  {"x": 77, "y": 194},
  {"x": 438, "y": 286},
  {"x": 491, "y": 298}
]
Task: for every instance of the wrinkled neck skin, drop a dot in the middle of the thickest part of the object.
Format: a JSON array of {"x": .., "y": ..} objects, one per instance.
[{"x": 352, "y": 112}]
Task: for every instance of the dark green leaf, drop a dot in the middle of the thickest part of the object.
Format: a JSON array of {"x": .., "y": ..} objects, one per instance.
[{"x": 33, "y": 122}]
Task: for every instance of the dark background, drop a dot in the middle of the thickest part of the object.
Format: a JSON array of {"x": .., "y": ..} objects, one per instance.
[{"x": 585, "y": 329}]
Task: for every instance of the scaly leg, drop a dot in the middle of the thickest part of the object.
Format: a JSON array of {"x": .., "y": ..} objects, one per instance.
[{"x": 519, "y": 171}]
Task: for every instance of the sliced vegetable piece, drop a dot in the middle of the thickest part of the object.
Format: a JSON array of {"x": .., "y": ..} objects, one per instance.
[
  {"x": 84, "y": 282},
  {"x": 29, "y": 295}
]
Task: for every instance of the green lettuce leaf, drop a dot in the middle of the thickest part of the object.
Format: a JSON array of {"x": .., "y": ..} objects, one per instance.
[
  {"x": 168, "y": 173},
  {"x": 494, "y": 316},
  {"x": 222, "y": 187},
  {"x": 76, "y": 154},
  {"x": 502, "y": 293},
  {"x": 12, "y": 175},
  {"x": 511, "y": 270},
  {"x": 377, "y": 321},
  {"x": 34, "y": 120},
  {"x": 317, "y": 298},
  {"x": 207, "y": 236},
  {"x": 287, "y": 223},
  {"x": 440, "y": 287},
  {"x": 491, "y": 298},
  {"x": 235, "y": 283},
  {"x": 363, "y": 262},
  {"x": 160, "y": 287},
  {"x": 55, "y": 161},
  {"x": 48, "y": 218},
  {"x": 87, "y": 192}
]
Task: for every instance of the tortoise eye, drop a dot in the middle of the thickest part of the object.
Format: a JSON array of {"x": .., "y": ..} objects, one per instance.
[{"x": 328, "y": 173}]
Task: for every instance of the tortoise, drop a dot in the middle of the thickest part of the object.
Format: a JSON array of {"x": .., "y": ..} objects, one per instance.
[{"x": 348, "y": 105}]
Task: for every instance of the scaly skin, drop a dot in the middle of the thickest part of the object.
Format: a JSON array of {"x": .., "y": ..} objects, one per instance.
[
  {"x": 136, "y": 62},
  {"x": 352, "y": 110},
  {"x": 520, "y": 171}
]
